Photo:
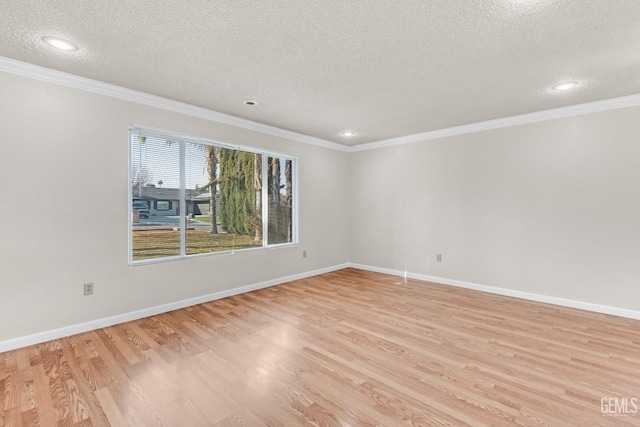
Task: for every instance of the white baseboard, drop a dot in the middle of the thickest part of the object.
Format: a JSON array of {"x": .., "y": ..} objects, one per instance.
[
  {"x": 614, "y": 311},
  {"x": 66, "y": 331},
  {"x": 40, "y": 337}
]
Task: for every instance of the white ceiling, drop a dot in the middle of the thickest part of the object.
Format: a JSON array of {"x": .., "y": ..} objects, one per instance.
[{"x": 381, "y": 68}]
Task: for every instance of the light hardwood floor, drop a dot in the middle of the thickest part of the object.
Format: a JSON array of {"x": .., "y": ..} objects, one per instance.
[{"x": 349, "y": 348}]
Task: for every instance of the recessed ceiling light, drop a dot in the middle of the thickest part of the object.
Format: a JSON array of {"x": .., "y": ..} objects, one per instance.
[
  {"x": 250, "y": 102},
  {"x": 565, "y": 85},
  {"x": 347, "y": 133},
  {"x": 59, "y": 43}
]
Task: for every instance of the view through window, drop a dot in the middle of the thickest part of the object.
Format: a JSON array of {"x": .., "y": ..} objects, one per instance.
[{"x": 193, "y": 197}]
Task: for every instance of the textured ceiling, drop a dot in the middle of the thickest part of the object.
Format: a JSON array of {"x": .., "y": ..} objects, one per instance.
[{"x": 381, "y": 68}]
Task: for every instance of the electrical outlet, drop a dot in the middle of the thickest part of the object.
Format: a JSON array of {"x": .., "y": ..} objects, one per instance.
[
  {"x": 439, "y": 257},
  {"x": 88, "y": 288},
  {"x": 304, "y": 254}
]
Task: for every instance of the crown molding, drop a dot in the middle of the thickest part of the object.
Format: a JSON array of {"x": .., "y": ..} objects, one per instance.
[
  {"x": 24, "y": 69},
  {"x": 539, "y": 116}
]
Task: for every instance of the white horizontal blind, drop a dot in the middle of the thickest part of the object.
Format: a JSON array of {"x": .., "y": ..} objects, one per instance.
[{"x": 155, "y": 183}]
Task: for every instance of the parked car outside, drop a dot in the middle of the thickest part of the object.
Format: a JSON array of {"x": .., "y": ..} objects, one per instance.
[{"x": 142, "y": 208}]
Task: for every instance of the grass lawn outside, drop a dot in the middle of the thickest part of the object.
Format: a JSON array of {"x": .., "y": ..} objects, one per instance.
[
  {"x": 161, "y": 243},
  {"x": 205, "y": 218}
]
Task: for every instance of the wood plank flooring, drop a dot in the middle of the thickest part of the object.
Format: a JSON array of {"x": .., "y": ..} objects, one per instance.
[{"x": 349, "y": 348}]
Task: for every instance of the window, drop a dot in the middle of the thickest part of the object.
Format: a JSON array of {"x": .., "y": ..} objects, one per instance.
[
  {"x": 210, "y": 197},
  {"x": 280, "y": 195},
  {"x": 163, "y": 205}
]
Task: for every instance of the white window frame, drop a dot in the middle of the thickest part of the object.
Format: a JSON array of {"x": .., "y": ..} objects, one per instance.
[{"x": 185, "y": 138}]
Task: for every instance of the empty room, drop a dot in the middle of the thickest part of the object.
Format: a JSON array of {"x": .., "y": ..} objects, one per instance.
[{"x": 335, "y": 213}]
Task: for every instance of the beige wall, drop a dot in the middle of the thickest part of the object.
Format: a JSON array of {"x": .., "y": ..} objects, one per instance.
[
  {"x": 63, "y": 221},
  {"x": 551, "y": 208}
]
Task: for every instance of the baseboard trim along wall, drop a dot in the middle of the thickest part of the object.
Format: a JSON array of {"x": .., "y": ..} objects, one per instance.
[
  {"x": 40, "y": 337},
  {"x": 581, "y": 305}
]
